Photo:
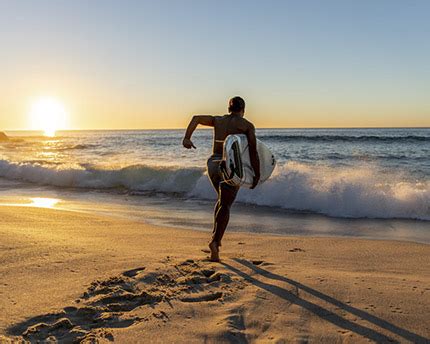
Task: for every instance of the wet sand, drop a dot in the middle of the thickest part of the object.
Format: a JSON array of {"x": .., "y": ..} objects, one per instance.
[{"x": 69, "y": 276}]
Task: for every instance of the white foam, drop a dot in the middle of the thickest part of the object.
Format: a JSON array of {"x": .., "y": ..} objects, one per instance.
[
  {"x": 136, "y": 177},
  {"x": 341, "y": 192}
]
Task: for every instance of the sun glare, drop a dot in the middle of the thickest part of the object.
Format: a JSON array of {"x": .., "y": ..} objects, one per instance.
[
  {"x": 43, "y": 202},
  {"x": 49, "y": 115}
]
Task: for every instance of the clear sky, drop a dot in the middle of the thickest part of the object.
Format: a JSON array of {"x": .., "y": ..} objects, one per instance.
[{"x": 152, "y": 64}]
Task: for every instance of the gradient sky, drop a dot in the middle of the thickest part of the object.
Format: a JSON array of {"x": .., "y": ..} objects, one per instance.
[{"x": 152, "y": 64}]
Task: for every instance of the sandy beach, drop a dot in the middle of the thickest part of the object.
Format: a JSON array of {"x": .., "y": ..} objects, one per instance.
[
  {"x": 75, "y": 277},
  {"x": 138, "y": 137}
]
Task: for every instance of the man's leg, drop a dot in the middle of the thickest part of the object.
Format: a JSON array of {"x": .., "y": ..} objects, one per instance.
[
  {"x": 227, "y": 195},
  {"x": 215, "y": 178},
  {"x": 216, "y": 208}
]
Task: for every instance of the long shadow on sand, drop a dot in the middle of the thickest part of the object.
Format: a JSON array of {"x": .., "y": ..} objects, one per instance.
[{"x": 325, "y": 313}]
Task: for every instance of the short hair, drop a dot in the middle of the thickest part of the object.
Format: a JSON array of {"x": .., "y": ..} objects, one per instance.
[{"x": 236, "y": 104}]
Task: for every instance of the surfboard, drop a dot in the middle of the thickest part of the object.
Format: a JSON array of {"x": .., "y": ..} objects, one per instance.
[{"x": 236, "y": 166}]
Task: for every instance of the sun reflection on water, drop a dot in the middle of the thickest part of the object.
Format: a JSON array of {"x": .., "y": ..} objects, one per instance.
[{"x": 43, "y": 202}]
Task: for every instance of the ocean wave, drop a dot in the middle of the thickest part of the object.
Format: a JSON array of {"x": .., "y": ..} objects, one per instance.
[
  {"x": 359, "y": 192},
  {"x": 347, "y": 138},
  {"x": 339, "y": 192},
  {"x": 58, "y": 146},
  {"x": 73, "y": 147},
  {"x": 135, "y": 177}
]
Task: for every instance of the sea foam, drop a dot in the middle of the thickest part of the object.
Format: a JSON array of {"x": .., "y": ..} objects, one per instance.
[{"x": 360, "y": 192}]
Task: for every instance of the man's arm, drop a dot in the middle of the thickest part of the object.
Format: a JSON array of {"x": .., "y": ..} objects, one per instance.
[
  {"x": 195, "y": 121},
  {"x": 253, "y": 154}
]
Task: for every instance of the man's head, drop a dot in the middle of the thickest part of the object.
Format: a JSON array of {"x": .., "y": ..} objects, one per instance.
[{"x": 236, "y": 105}]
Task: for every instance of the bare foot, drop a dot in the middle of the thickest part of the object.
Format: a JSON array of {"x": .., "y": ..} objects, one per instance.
[{"x": 213, "y": 246}]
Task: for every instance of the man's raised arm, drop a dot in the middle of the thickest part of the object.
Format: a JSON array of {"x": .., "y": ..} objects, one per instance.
[
  {"x": 195, "y": 121},
  {"x": 253, "y": 154}
]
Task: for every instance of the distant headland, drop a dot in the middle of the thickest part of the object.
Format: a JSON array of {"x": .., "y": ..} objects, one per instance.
[{"x": 3, "y": 136}]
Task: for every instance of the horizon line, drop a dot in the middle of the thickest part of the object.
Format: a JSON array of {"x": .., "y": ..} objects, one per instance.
[{"x": 208, "y": 128}]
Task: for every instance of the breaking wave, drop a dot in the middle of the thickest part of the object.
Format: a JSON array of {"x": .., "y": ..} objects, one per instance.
[
  {"x": 135, "y": 177},
  {"x": 360, "y": 192},
  {"x": 348, "y": 138}
]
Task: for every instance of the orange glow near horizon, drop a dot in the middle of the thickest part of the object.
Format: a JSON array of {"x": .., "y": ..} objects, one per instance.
[{"x": 70, "y": 111}]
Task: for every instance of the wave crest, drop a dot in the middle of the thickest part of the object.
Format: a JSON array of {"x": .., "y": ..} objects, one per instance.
[
  {"x": 337, "y": 192},
  {"x": 348, "y": 138},
  {"x": 135, "y": 177},
  {"x": 340, "y": 192}
]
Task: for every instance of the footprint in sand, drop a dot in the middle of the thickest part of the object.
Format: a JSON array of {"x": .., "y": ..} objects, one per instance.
[
  {"x": 257, "y": 262},
  {"x": 109, "y": 303},
  {"x": 296, "y": 249},
  {"x": 202, "y": 297},
  {"x": 133, "y": 272},
  {"x": 260, "y": 263}
]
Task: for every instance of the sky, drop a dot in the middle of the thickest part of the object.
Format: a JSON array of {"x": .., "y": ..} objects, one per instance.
[{"x": 153, "y": 64}]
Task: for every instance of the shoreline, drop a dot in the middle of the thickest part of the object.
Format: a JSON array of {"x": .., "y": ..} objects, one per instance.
[
  {"x": 207, "y": 231},
  {"x": 56, "y": 264},
  {"x": 196, "y": 214}
]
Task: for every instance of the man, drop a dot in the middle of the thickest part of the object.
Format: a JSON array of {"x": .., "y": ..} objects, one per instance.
[{"x": 233, "y": 123}]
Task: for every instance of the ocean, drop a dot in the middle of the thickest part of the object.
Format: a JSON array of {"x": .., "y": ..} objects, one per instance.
[{"x": 376, "y": 182}]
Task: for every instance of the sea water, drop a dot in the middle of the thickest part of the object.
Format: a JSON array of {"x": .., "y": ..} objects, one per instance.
[{"x": 322, "y": 176}]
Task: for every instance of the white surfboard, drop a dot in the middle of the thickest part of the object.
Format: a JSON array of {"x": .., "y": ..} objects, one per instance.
[{"x": 236, "y": 166}]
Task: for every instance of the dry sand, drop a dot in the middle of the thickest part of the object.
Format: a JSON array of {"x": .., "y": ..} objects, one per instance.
[{"x": 74, "y": 277}]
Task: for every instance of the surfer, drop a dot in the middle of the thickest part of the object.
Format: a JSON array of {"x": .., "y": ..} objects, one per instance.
[{"x": 232, "y": 123}]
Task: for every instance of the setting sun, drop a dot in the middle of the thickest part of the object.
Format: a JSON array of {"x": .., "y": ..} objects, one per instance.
[{"x": 48, "y": 114}]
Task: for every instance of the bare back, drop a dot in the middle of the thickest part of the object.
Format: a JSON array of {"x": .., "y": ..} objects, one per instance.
[{"x": 228, "y": 125}]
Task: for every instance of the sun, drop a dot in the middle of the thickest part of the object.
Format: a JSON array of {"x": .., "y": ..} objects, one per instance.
[{"x": 48, "y": 114}]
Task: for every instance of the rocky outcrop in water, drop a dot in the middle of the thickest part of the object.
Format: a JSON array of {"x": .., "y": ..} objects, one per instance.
[{"x": 3, "y": 136}]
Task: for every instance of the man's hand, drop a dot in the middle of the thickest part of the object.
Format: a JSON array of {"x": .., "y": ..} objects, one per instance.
[
  {"x": 187, "y": 143},
  {"x": 255, "y": 181}
]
